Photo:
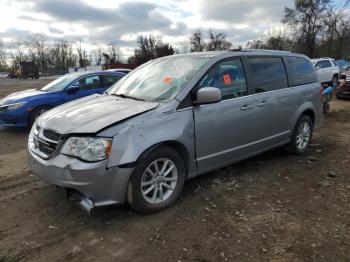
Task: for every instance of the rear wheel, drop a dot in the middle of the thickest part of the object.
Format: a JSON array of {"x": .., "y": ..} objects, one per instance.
[
  {"x": 157, "y": 181},
  {"x": 36, "y": 113},
  {"x": 301, "y": 136}
]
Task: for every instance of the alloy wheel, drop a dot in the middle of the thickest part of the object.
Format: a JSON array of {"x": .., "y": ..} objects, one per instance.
[
  {"x": 159, "y": 181},
  {"x": 303, "y": 136}
]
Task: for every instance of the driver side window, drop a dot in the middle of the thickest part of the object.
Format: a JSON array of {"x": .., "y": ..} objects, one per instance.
[
  {"x": 228, "y": 76},
  {"x": 88, "y": 82}
]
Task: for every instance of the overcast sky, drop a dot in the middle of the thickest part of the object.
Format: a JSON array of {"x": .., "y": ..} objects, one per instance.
[{"x": 120, "y": 21}]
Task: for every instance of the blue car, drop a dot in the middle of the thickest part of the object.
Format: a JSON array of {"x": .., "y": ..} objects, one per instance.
[{"x": 22, "y": 108}]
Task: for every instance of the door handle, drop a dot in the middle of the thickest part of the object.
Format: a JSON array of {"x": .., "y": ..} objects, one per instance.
[
  {"x": 246, "y": 107},
  {"x": 262, "y": 103}
]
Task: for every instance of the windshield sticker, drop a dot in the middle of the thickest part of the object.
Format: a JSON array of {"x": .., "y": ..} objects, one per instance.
[
  {"x": 168, "y": 79},
  {"x": 227, "y": 79}
]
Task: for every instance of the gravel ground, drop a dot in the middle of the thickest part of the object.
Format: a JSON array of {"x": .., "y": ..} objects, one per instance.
[{"x": 274, "y": 207}]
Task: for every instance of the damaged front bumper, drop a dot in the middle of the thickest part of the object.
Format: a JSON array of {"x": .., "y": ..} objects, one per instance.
[{"x": 93, "y": 183}]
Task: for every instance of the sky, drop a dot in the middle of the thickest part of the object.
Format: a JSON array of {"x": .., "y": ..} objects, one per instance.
[{"x": 120, "y": 21}]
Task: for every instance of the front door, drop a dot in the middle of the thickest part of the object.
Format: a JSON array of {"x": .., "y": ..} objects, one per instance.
[
  {"x": 88, "y": 85},
  {"x": 224, "y": 130}
]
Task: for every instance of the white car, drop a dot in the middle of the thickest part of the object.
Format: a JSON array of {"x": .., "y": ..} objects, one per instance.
[
  {"x": 327, "y": 70},
  {"x": 3, "y": 75}
]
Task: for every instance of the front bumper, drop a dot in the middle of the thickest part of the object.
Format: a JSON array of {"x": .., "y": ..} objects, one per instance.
[
  {"x": 101, "y": 185},
  {"x": 344, "y": 90},
  {"x": 14, "y": 118}
]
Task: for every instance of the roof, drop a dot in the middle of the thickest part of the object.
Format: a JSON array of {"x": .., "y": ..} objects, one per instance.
[
  {"x": 242, "y": 52},
  {"x": 82, "y": 73}
]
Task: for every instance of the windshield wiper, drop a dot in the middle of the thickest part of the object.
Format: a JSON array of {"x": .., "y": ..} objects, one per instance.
[{"x": 130, "y": 97}]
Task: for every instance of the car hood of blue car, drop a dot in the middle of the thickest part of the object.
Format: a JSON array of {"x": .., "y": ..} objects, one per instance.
[
  {"x": 21, "y": 96},
  {"x": 91, "y": 114}
]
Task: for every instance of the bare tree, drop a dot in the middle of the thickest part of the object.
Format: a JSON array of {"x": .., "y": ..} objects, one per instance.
[
  {"x": 82, "y": 55},
  {"x": 150, "y": 47},
  {"x": 3, "y": 63},
  {"x": 306, "y": 21},
  {"x": 62, "y": 57},
  {"x": 98, "y": 54},
  {"x": 18, "y": 51},
  {"x": 39, "y": 50},
  {"x": 197, "y": 41},
  {"x": 217, "y": 42}
]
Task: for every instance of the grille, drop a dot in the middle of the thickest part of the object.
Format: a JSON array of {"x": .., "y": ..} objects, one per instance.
[
  {"x": 51, "y": 135},
  {"x": 45, "y": 142},
  {"x": 46, "y": 148}
]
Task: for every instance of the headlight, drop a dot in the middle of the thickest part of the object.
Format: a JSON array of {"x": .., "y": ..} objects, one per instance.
[
  {"x": 14, "y": 106},
  {"x": 88, "y": 148}
]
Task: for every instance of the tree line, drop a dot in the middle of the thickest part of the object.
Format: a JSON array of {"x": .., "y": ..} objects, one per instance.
[{"x": 316, "y": 28}]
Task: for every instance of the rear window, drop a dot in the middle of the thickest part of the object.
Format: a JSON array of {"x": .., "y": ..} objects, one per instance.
[
  {"x": 301, "y": 71},
  {"x": 268, "y": 73}
]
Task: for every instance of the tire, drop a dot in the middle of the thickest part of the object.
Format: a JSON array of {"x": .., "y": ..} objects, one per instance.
[
  {"x": 153, "y": 201},
  {"x": 297, "y": 147},
  {"x": 36, "y": 113},
  {"x": 335, "y": 81}
]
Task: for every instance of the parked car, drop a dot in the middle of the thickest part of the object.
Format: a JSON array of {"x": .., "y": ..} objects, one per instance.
[
  {"x": 122, "y": 70},
  {"x": 343, "y": 65},
  {"x": 3, "y": 75},
  {"x": 22, "y": 108},
  {"x": 344, "y": 85},
  {"x": 172, "y": 119},
  {"x": 327, "y": 70}
]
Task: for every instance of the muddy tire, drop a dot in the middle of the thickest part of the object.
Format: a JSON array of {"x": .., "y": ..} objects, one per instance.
[
  {"x": 157, "y": 181},
  {"x": 301, "y": 137},
  {"x": 36, "y": 113}
]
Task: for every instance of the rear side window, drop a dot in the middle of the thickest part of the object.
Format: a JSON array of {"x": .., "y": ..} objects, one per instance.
[
  {"x": 301, "y": 71},
  {"x": 109, "y": 80},
  {"x": 268, "y": 73},
  {"x": 323, "y": 64}
]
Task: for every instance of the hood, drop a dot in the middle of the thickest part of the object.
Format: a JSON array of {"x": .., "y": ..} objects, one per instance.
[
  {"x": 92, "y": 113},
  {"x": 21, "y": 95}
]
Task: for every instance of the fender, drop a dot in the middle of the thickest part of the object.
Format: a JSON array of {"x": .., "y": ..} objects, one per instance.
[{"x": 134, "y": 137}]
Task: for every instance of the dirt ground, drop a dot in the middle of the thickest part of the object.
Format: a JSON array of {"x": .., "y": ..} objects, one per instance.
[{"x": 274, "y": 207}]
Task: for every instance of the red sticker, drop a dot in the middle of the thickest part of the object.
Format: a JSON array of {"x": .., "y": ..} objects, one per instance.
[
  {"x": 227, "y": 79},
  {"x": 167, "y": 79}
]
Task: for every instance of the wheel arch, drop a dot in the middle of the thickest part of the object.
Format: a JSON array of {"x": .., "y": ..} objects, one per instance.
[
  {"x": 36, "y": 107},
  {"x": 310, "y": 113},
  {"x": 176, "y": 145}
]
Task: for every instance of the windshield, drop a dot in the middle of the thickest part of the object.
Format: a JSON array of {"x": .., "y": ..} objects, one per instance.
[
  {"x": 60, "y": 83},
  {"x": 160, "y": 80}
]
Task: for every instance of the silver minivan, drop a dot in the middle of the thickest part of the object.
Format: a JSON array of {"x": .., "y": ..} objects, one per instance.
[{"x": 174, "y": 118}]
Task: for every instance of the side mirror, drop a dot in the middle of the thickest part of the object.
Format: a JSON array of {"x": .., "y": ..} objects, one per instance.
[
  {"x": 207, "y": 95},
  {"x": 72, "y": 89},
  {"x": 317, "y": 68}
]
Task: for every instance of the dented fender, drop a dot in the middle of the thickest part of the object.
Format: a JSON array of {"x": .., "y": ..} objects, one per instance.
[{"x": 135, "y": 136}]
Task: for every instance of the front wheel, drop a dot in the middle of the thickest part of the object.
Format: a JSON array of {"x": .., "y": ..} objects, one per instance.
[
  {"x": 36, "y": 113},
  {"x": 301, "y": 136},
  {"x": 157, "y": 181}
]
